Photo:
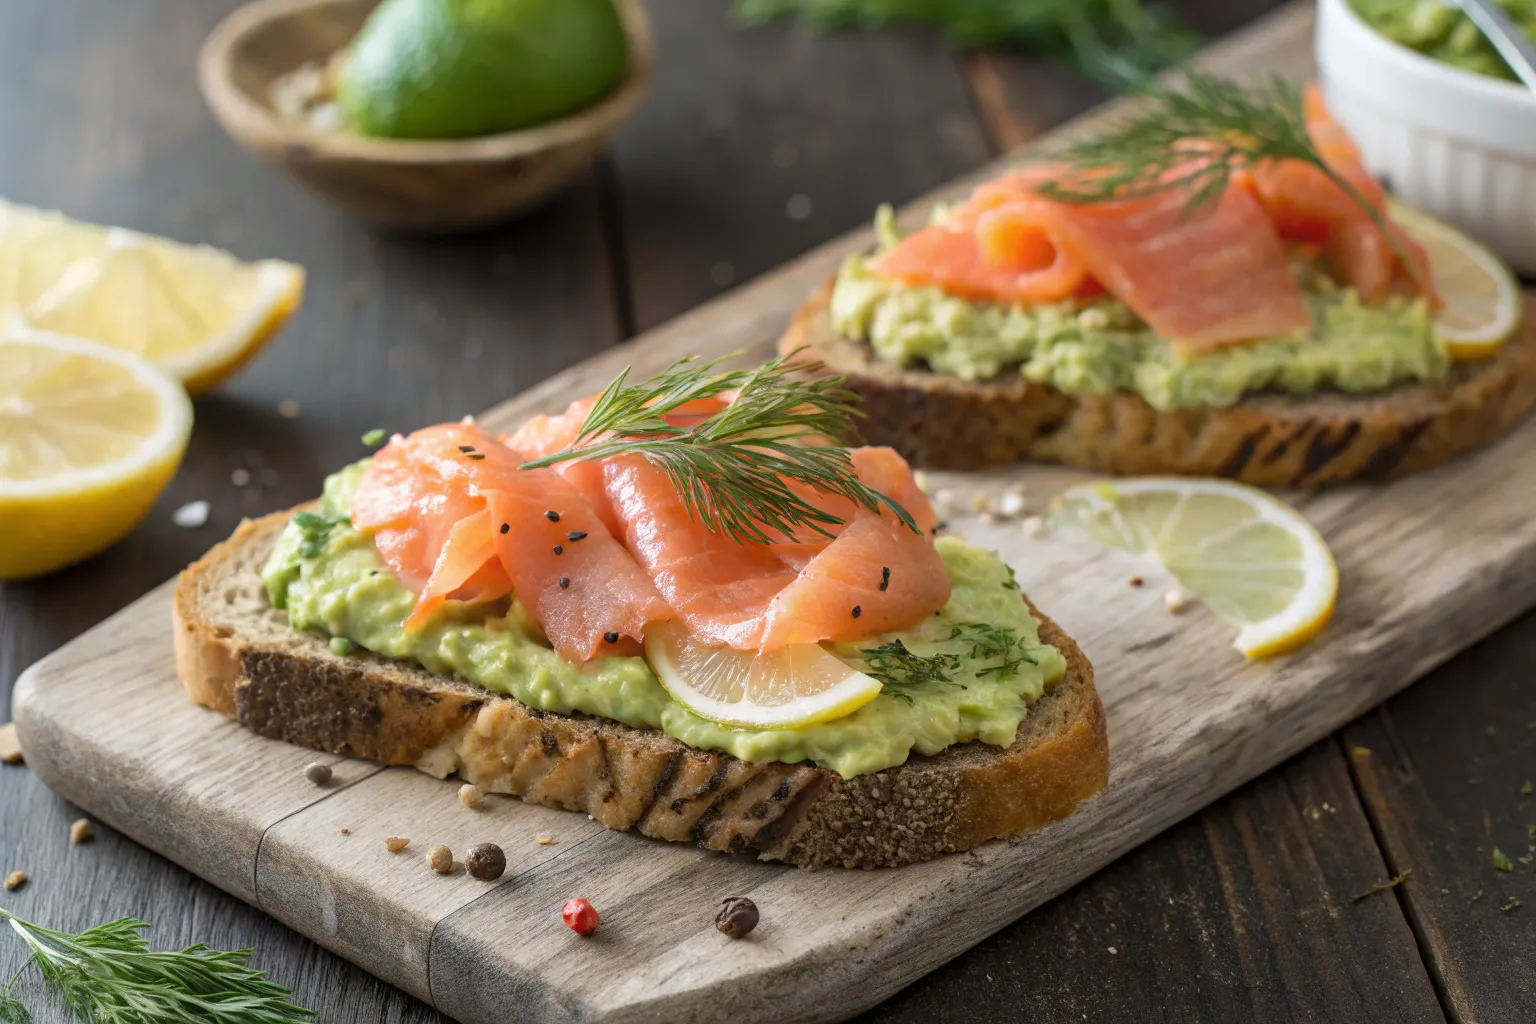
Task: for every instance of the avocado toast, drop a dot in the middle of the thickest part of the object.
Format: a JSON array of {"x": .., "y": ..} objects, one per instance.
[
  {"x": 798, "y": 668},
  {"x": 1153, "y": 302}
]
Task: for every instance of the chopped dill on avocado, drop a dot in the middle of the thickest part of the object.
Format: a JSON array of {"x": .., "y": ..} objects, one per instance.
[
  {"x": 899, "y": 670},
  {"x": 1501, "y": 860},
  {"x": 315, "y": 530},
  {"x": 1013, "y": 580}
]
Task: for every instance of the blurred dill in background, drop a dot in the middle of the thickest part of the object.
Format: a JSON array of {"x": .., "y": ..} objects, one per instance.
[{"x": 1114, "y": 41}]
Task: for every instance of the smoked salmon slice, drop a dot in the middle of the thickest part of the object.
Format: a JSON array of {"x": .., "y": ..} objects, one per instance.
[
  {"x": 451, "y": 505},
  {"x": 876, "y": 576},
  {"x": 1202, "y": 278},
  {"x": 454, "y": 514},
  {"x": 1307, "y": 206},
  {"x": 1004, "y": 246},
  {"x": 719, "y": 587}
]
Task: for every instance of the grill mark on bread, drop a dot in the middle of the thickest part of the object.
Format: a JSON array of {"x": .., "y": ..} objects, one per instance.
[
  {"x": 1239, "y": 458},
  {"x": 1277, "y": 453},
  {"x": 1323, "y": 449},
  {"x": 1385, "y": 459}
]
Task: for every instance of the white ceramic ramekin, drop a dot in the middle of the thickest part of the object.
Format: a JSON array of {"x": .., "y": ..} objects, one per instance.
[{"x": 1455, "y": 144}]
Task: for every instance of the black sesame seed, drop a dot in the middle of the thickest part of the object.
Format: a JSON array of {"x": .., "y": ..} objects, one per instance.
[
  {"x": 576, "y": 535},
  {"x": 475, "y": 455},
  {"x": 552, "y": 516},
  {"x": 857, "y": 611},
  {"x": 612, "y": 638},
  {"x": 885, "y": 576},
  {"x": 565, "y": 581},
  {"x": 466, "y": 447},
  {"x": 559, "y": 550},
  {"x": 505, "y": 527}
]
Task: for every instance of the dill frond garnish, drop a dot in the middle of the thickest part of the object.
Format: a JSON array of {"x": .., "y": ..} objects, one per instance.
[
  {"x": 734, "y": 468},
  {"x": 109, "y": 973},
  {"x": 1237, "y": 127}
]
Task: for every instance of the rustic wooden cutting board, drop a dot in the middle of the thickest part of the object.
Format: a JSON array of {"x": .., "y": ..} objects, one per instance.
[{"x": 1428, "y": 566}]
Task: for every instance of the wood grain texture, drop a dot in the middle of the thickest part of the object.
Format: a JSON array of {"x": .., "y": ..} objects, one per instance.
[
  {"x": 1242, "y": 912},
  {"x": 1445, "y": 784},
  {"x": 834, "y": 942},
  {"x": 774, "y": 141}
]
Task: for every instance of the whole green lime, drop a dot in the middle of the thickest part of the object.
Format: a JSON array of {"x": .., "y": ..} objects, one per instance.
[{"x": 439, "y": 69}]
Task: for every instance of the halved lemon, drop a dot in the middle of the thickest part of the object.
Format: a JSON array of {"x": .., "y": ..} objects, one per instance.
[
  {"x": 1254, "y": 560},
  {"x": 196, "y": 312},
  {"x": 796, "y": 685},
  {"x": 1482, "y": 298},
  {"x": 89, "y": 437}
]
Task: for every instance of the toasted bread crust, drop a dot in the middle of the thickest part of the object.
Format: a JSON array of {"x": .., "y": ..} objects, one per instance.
[
  {"x": 242, "y": 660},
  {"x": 944, "y": 422}
]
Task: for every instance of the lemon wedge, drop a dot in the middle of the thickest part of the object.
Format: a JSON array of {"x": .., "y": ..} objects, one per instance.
[
  {"x": 794, "y": 686},
  {"x": 196, "y": 312},
  {"x": 89, "y": 437},
  {"x": 1482, "y": 298},
  {"x": 1255, "y": 561}
]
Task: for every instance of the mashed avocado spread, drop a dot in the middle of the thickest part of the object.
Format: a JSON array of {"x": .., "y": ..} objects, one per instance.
[
  {"x": 329, "y": 577},
  {"x": 1438, "y": 29},
  {"x": 1100, "y": 346}
]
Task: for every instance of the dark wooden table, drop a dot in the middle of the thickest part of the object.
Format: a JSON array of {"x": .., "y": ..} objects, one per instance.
[{"x": 753, "y": 147}]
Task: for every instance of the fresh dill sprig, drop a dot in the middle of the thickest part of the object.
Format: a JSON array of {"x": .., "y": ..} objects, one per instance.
[
  {"x": 109, "y": 973},
  {"x": 1192, "y": 137},
  {"x": 734, "y": 468}
]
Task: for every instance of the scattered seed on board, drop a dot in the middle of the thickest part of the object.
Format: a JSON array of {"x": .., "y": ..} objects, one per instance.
[
  {"x": 345, "y": 831},
  {"x": 544, "y": 840},
  {"x": 10, "y": 746},
  {"x": 82, "y": 831},
  {"x": 1034, "y": 526},
  {"x": 980, "y": 502},
  {"x": 1137, "y": 581},
  {"x": 318, "y": 773},
  {"x": 1176, "y": 600},
  {"x": 470, "y": 795},
  {"x": 737, "y": 917},
  {"x": 990, "y": 519},
  {"x": 15, "y": 880},
  {"x": 191, "y": 515},
  {"x": 396, "y": 843},
  {"x": 485, "y": 861},
  {"x": 1012, "y": 504},
  {"x": 440, "y": 859}
]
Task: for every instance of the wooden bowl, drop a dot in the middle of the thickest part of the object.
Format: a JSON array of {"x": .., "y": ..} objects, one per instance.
[{"x": 427, "y": 185}]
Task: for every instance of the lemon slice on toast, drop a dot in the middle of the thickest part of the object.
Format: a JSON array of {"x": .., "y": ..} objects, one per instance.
[
  {"x": 196, "y": 312},
  {"x": 1255, "y": 561},
  {"x": 89, "y": 437},
  {"x": 797, "y": 685},
  {"x": 1482, "y": 298}
]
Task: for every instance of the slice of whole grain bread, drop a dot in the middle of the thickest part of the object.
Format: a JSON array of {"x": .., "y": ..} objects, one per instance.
[
  {"x": 943, "y": 422},
  {"x": 239, "y": 656}
]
